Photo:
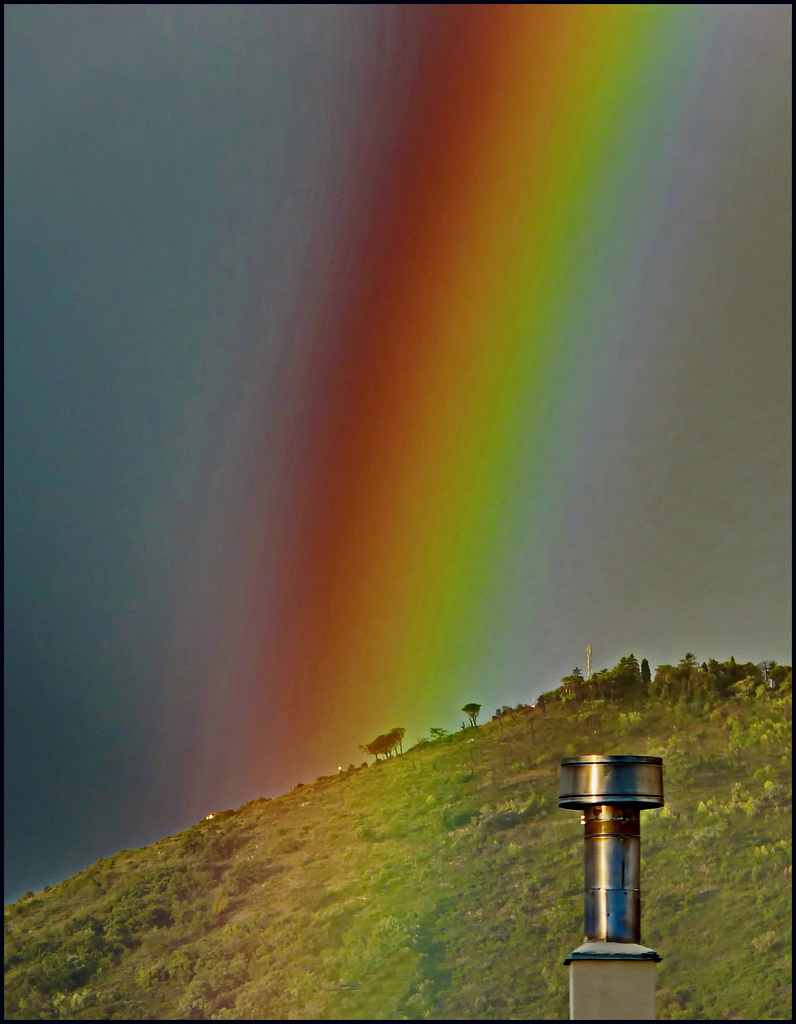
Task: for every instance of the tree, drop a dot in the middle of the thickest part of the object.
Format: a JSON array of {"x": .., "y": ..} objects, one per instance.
[
  {"x": 646, "y": 676},
  {"x": 385, "y": 745},
  {"x": 688, "y": 662},
  {"x": 663, "y": 686},
  {"x": 608, "y": 687},
  {"x": 375, "y": 747},
  {"x": 722, "y": 677},
  {"x": 573, "y": 685},
  {"x": 397, "y": 735},
  {"x": 471, "y": 710},
  {"x": 625, "y": 683},
  {"x": 781, "y": 676}
]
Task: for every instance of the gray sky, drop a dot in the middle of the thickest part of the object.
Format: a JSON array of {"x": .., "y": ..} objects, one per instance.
[{"x": 173, "y": 184}]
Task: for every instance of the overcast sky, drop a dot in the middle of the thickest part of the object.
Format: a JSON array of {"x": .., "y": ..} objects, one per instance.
[{"x": 171, "y": 173}]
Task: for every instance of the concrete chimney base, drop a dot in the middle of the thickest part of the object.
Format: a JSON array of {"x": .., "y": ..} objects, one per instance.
[{"x": 612, "y": 981}]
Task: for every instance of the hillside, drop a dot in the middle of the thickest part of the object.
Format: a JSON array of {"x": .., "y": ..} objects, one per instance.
[{"x": 443, "y": 883}]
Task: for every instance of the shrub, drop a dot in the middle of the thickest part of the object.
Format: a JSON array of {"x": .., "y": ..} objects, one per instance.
[
  {"x": 499, "y": 820},
  {"x": 455, "y": 817}
]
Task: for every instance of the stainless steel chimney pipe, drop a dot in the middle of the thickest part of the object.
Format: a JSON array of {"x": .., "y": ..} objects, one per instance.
[{"x": 611, "y": 791}]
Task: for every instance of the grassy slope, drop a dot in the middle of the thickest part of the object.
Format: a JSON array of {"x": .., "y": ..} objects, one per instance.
[{"x": 444, "y": 884}]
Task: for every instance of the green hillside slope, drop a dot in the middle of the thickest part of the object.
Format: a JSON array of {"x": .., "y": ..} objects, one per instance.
[{"x": 441, "y": 884}]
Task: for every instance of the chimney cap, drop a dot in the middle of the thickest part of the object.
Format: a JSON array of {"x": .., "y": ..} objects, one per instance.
[
  {"x": 612, "y": 759},
  {"x": 627, "y": 780}
]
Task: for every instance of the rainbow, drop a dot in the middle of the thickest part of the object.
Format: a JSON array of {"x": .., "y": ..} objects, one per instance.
[{"x": 504, "y": 225}]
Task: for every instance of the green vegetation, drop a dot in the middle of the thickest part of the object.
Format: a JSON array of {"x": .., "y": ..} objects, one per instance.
[{"x": 445, "y": 883}]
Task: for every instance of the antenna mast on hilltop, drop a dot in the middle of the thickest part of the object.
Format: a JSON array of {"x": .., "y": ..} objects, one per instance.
[{"x": 588, "y": 661}]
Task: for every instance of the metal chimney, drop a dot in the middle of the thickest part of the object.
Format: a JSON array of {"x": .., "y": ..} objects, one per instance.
[{"x": 611, "y": 791}]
